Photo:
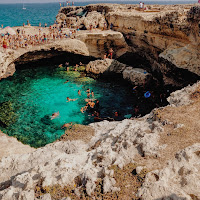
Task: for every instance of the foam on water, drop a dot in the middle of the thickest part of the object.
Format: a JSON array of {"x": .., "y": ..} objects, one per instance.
[{"x": 38, "y": 92}]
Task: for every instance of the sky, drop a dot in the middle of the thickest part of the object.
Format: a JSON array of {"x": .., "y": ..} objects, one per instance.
[{"x": 46, "y": 1}]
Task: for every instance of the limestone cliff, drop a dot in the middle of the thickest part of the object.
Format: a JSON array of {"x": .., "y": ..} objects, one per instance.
[{"x": 166, "y": 36}]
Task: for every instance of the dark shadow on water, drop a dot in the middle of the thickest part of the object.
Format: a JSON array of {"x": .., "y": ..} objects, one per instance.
[{"x": 52, "y": 57}]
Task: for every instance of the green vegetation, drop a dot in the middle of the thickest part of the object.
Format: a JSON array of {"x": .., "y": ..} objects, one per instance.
[{"x": 7, "y": 115}]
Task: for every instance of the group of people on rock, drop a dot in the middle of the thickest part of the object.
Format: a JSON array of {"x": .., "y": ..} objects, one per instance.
[
  {"x": 141, "y": 5},
  {"x": 23, "y": 40},
  {"x": 67, "y": 3}
]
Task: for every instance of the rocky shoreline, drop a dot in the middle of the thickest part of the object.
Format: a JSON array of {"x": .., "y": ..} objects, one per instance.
[
  {"x": 114, "y": 143},
  {"x": 166, "y": 142}
]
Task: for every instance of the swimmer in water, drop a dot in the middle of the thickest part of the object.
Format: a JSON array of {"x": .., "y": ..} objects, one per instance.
[
  {"x": 83, "y": 109},
  {"x": 88, "y": 94},
  {"x": 87, "y": 100},
  {"x": 66, "y": 81},
  {"x": 92, "y": 93},
  {"x": 55, "y": 115},
  {"x": 88, "y": 90},
  {"x": 91, "y": 104},
  {"x": 67, "y": 125},
  {"x": 79, "y": 92},
  {"x": 68, "y": 99}
]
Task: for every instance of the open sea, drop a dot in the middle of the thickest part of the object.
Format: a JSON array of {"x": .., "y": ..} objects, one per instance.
[{"x": 14, "y": 15}]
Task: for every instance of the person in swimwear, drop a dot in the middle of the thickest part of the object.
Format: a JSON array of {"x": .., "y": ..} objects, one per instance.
[
  {"x": 79, "y": 92},
  {"x": 83, "y": 109},
  {"x": 66, "y": 81},
  {"x": 5, "y": 44},
  {"x": 55, "y": 115},
  {"x": 68, "y": 99},
  {"x": 67, "y": 125},
  {"x": 111, "y": 53}
]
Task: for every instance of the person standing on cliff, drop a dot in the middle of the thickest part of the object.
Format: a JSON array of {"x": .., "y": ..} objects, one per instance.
[
  {"x": 111, "y": 53},
  {"x": 5, "y": 44},
  {"x": 140, "y": 5}
]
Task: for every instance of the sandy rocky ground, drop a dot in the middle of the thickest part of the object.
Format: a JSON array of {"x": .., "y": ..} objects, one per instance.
[{"x": 164, "y": 143}]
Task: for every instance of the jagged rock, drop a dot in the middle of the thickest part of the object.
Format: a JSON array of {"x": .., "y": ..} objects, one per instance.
[
  {"x": 10, "y": 146},
  {"x": 98, "y": 66},
  {"x": 60, "y": 17},
  {"x": 105, "y": 66},
  {"x": 71, "y": 21},
  {"x": 182, "y": 97},
  {"x": 61, "y": 162},
  {"x": 93, "y": 17},
  {"x": 166, "y": 36},
  {"x": 136, "y": 76},
  {"x": 179, "y": 180},
  {"x": 45, "y": 197},
  {"x": 139, "y": 169}
]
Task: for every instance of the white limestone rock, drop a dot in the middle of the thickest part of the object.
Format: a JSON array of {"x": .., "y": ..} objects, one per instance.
[
  {"x": 179, "y": 180},
  {"x": 45, "y": 197},
  {"x": 182, "y": 97}
]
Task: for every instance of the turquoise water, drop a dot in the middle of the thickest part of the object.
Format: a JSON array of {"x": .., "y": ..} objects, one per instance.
[
  {"x": 14, "y": 15},
  {"x": 38, "y": 92}
]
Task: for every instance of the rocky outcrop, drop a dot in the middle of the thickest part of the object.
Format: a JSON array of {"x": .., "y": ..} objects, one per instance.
[
  {"x": 137, "y": 76},
  {"x": 10, "y": 146},
  {"x": 99, "y": 42},
  {"x": 8, "y": 59},
  {"x": 166, "y": 36},
  {"x": 179, "y": 180},
  {"x": 107, "y": 66},
  {"x": 114, "y": 143},
  {"x": 85, "y": 44}
]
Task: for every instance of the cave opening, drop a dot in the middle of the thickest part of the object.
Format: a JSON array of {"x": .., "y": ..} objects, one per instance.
[{"x": 39, "y": 89}]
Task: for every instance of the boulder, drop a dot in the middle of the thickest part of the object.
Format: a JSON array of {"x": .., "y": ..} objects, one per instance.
[
  {"x": 106, "y": 65},
  {"x": 136, "y": 76},
  {"x": 93, "y": 17},
  {"x": 61, "y": 17},
  {"x": 98, "y": 66}
]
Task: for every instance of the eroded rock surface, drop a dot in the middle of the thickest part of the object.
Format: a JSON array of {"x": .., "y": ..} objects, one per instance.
[
  {"x": 114, "y": 143},
  {"x": 179, "y": 180},
  {"x": 107, "y": 66},
  {"x": 166, "y": 36}
]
